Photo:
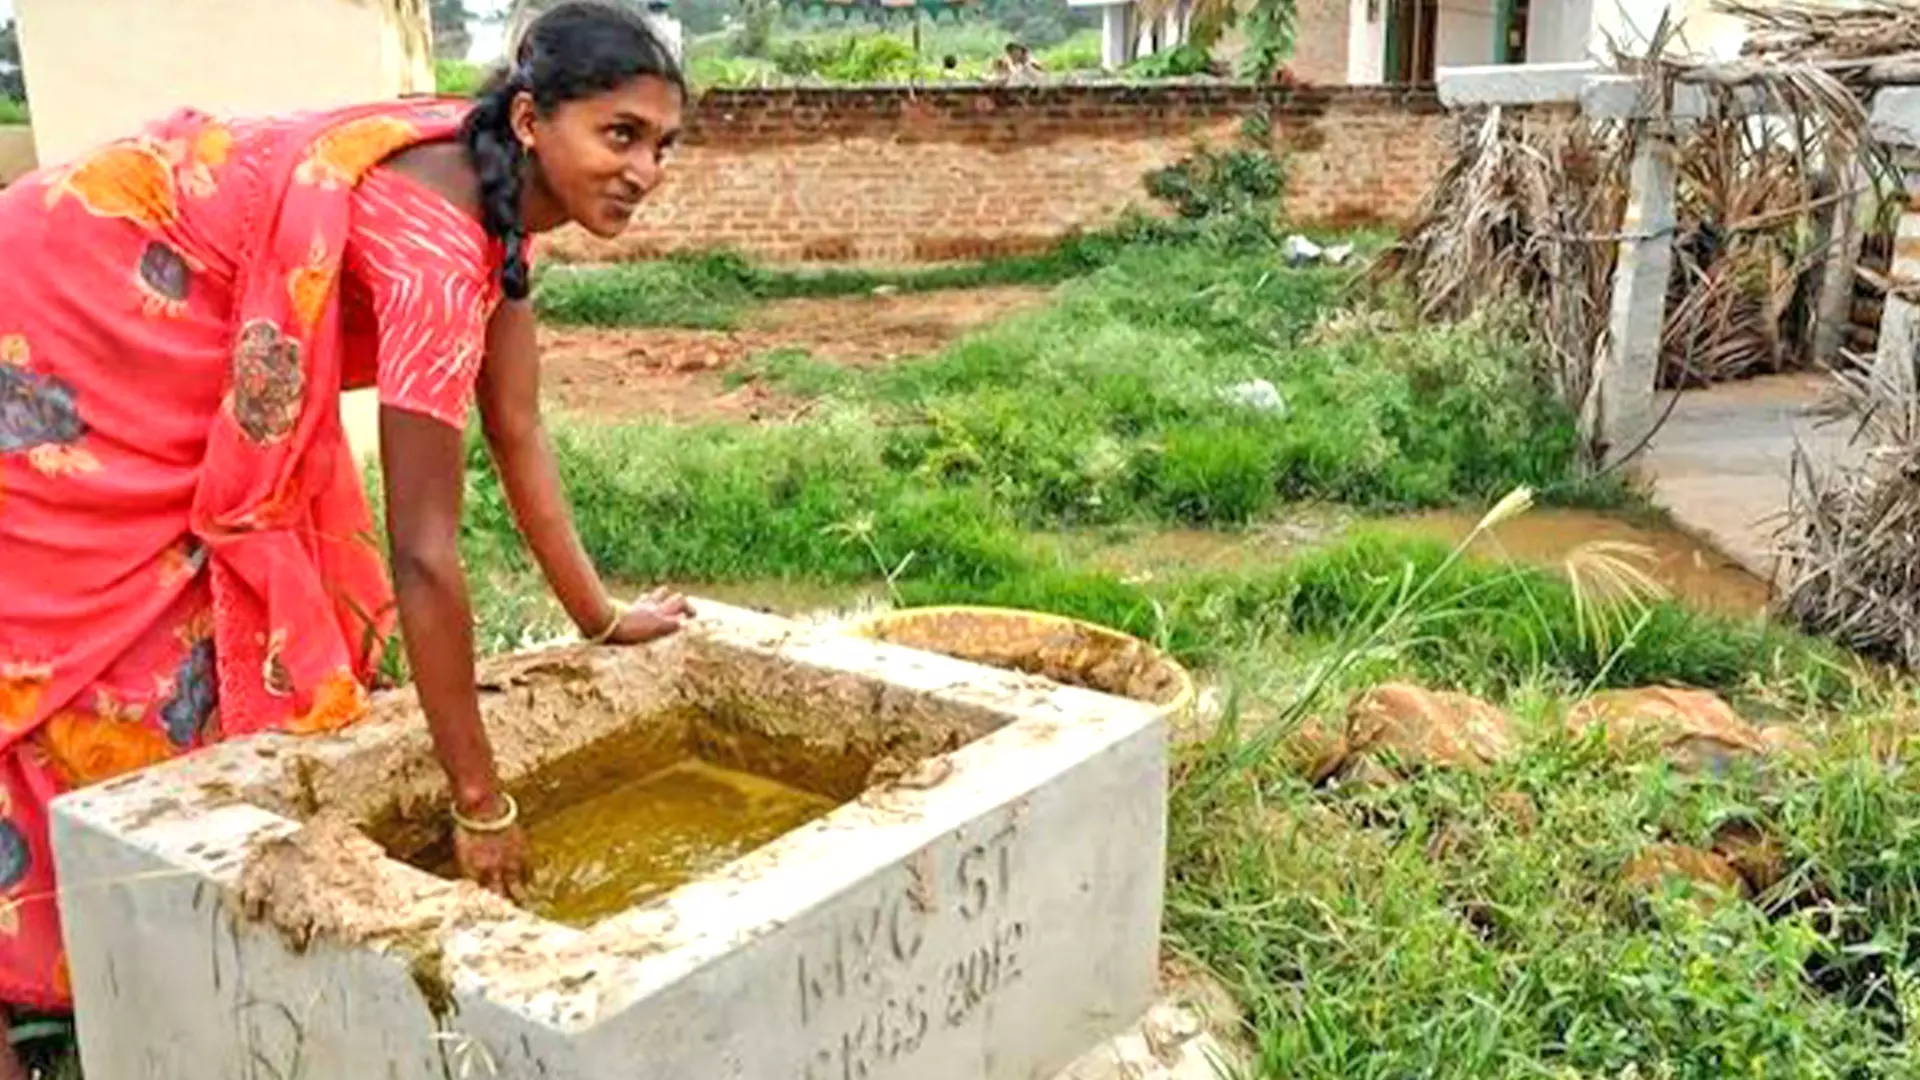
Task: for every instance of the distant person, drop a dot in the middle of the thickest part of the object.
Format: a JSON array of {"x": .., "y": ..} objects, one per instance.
[
  {"x": 186, "y": 554},
  {"x": 1017, "y": 64}
]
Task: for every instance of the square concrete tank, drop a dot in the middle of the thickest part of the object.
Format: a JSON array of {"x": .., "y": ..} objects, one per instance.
[{"x": 984, "y": 905}]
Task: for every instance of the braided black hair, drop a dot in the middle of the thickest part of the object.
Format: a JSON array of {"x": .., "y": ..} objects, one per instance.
[{"x": 576, "y": 50}]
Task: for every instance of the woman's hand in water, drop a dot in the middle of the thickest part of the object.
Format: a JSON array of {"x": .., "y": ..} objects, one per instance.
[
  {"x": 658, "y": 614},
  {"x": 495, "y": 861}
]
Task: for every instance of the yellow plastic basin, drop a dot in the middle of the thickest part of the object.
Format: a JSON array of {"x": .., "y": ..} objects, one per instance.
[{"x": 1051, "y": 646}]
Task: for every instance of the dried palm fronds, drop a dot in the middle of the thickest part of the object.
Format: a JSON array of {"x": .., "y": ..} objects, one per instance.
[
  {"x": 1833, "y": 35},
  {"x": 1511, "y": 220},
  {"x": 1850, "y": 558},
  {"x": 1535, "y": 216}
]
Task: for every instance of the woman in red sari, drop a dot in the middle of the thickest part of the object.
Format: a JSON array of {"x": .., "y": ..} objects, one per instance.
[{"x": 186, "y": 553}]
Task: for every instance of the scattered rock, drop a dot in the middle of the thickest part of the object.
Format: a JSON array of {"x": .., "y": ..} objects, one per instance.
[
  {"x": 1418, "y": 726},
  {"x": 1318, "y": 748},
  {"x": 1301, "y": 251},
  {"x": 1410, "y": 725},
  {"x": 1650, "y": 870},
  {"x": 1758, "y": 858},
  {"x": 1695, "y": 729},
  {"x": 1787, "y": 740},
  {"x": 1256, "y": 394}
]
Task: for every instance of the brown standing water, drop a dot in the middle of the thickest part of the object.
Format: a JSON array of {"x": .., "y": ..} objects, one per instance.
[
  {"x": 604, "y": 853},
  {"x": 630, "y": 820},
  {"x": 1692, "y": 571}
]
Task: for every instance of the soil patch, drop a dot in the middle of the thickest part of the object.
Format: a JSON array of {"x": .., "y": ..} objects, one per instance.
[{"x": 681, "y": 375}]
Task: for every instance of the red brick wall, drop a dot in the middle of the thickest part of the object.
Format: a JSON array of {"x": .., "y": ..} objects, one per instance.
[{"x": 931, "y": 174}]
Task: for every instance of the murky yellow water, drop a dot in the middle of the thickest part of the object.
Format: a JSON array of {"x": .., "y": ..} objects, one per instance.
[
  {"x": 1691, "y": 571},
  {"x": 617, "y": 847}
]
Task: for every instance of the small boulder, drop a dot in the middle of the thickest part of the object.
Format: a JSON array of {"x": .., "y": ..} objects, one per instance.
[
  {"x": 1418, "y": 726},
  {"x": 1658, "y": 864},
  {"x": 1787, "y": 741},
  {"x": 1757, "y": 857},
  {"x": 1318, "y": 748},
  {"x": 1694, "y": 729}
]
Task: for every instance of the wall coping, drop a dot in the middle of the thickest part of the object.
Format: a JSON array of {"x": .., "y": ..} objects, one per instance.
[{"x": 1112, "y": 90}]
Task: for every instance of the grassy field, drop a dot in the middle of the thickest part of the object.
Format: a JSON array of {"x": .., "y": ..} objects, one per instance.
[
  {"x": 1427, "y": 928},
  {"x": 860, "y": 53},
  {"x": 844, "y": 55},
  {"x": 1110, "y": 405}
]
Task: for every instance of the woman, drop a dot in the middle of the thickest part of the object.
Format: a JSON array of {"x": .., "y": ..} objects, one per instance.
[{"x": 185, "y": 550}]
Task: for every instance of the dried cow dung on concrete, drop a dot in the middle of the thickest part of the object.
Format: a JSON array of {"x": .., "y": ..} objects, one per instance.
[{"x": 1065, "y": 651}]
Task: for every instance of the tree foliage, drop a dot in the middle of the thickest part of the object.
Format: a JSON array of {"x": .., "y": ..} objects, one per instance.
[
  {"x": 452, "y": 37},
  {"x": 12, "y": 82}
]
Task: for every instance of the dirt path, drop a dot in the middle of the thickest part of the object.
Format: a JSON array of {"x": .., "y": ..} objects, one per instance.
[{"x": 680, "y": 375}]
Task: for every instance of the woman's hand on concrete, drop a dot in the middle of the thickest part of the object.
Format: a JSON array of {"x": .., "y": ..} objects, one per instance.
[{"x": 658, "y": 614}]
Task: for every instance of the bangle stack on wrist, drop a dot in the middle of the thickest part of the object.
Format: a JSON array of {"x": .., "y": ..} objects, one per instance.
[
  {"x": 507, "y": 819},
  {"x": 613, "y": 623}
]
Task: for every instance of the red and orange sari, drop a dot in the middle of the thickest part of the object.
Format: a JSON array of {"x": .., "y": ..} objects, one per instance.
[{"x": 186, "y": 552}]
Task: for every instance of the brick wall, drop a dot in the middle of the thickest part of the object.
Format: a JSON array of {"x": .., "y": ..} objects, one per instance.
[{"x": 931, "y": 174}]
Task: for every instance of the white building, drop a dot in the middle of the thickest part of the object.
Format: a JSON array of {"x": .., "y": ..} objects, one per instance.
[
  {"x": 1125, "y": 36},
  {"x": 1407, "y": 41}
]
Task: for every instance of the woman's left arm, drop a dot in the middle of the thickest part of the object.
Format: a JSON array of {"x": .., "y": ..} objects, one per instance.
[{"x": 509, "y": 396}]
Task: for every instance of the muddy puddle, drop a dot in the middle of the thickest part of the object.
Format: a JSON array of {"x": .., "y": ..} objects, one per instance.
[
  {"x": 605, "y": 851},
  {"x": 1690, "y": 570}
]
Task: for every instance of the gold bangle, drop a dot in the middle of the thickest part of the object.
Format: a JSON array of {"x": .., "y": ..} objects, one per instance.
[
  {"x": 619, "y": 612},
  {"x": 499, "y": 825}
]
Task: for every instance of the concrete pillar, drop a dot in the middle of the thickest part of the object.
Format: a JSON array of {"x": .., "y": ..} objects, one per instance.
[
  {"x": 1840, "y": 235},
  {"x": 1116, "y": 36},
  {"x": 1899, "y": 354},
  {"x": 1631, "y": 366}
]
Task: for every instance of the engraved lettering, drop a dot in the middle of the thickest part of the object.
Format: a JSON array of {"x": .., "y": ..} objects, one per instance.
[
  {"x": 895, "y": 1029},
  {"x": 859, "y": 952},
  {"x": 986, "y": 873},
  {"x": 870, "y": 976},
  {"x": 908, "y": 932},
  {"x": 982, "y": 972},
  {"x": 820, "y": 981}
]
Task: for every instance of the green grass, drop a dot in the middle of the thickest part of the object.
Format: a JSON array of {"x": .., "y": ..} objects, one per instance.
[
  {"x": 14, "y": 112},
  {"x": 1104, "y": 407},
  {"x": 856, "y": 54},
  {"x": 1416, "y": 930},
  {"x": 714, "y": 290},
  {"x": 458, "y": 78},
  {"x": 1425, "y": 930}
]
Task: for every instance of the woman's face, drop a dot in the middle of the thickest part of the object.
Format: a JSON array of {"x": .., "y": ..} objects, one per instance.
[{"x": 598, "y": 157}]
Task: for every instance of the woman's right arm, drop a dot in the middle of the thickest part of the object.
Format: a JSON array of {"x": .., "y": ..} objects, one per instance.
[{"x": 423, "y": 462}]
